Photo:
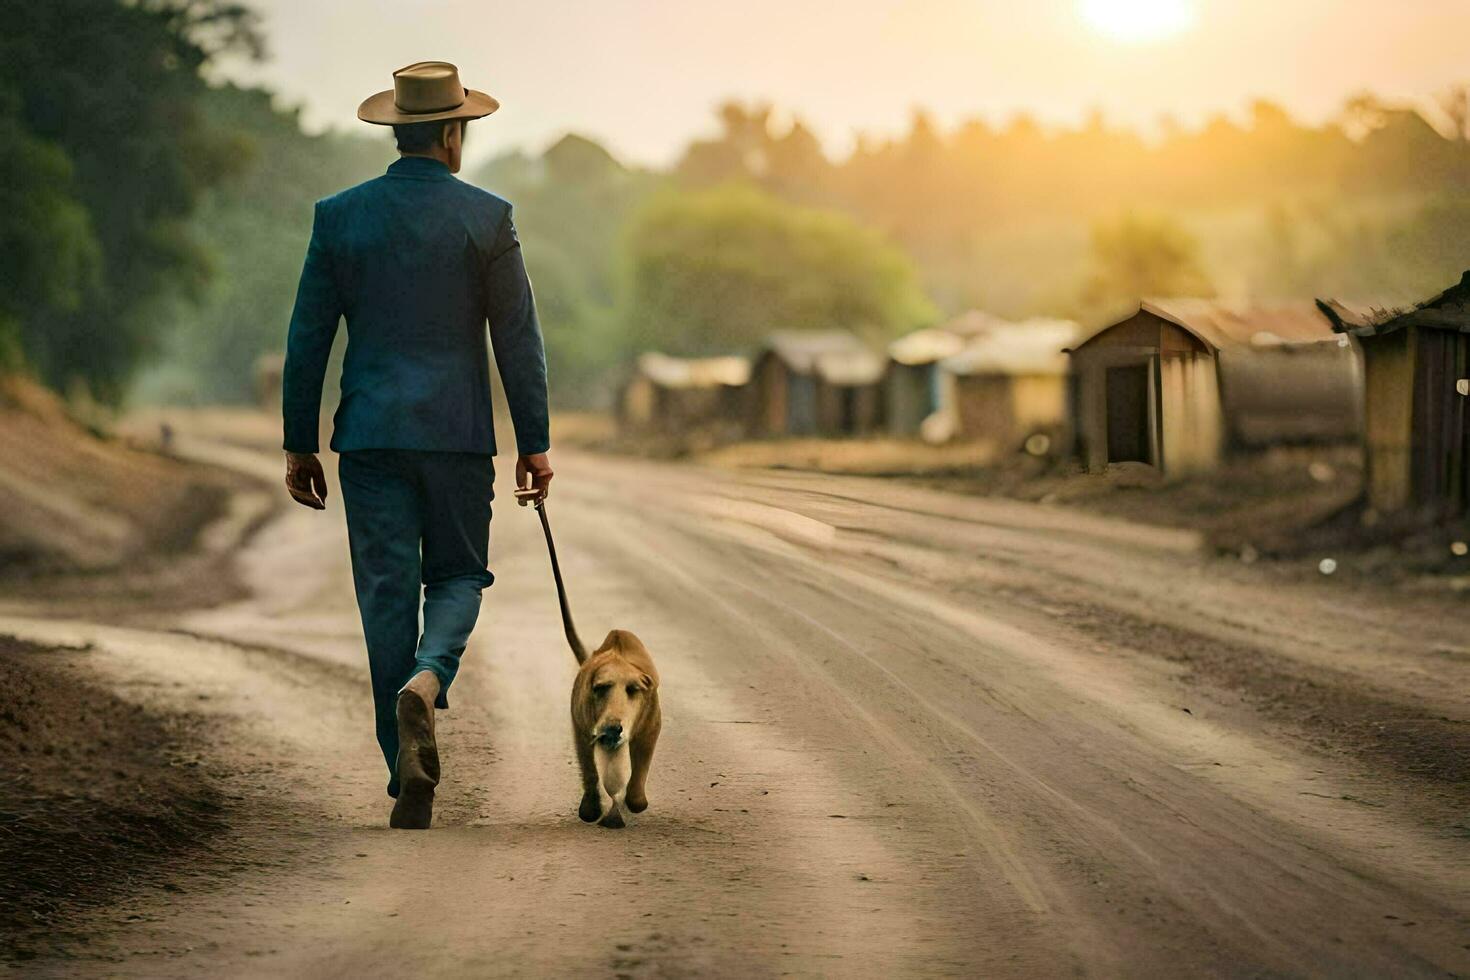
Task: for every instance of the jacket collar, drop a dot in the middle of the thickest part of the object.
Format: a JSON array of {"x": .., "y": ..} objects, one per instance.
[{"x": 419, "y": 168}]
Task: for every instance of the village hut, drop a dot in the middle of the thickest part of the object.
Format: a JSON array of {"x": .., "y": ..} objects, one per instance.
[
  {"x": 849, "y": 392},
  {"x": 1417, "y": 401},
  {"x": 1181, "y": 382},
  {"x": 789, "y": 395},
  {"x": 913, "y": 387},
  {"x": 675, "y": 394},
  {"x": 1011, "y": 384}
]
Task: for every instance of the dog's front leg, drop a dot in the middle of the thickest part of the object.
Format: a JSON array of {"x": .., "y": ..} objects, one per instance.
[
  {"x": 642, "y": 755},
  {"x": 591, "y": 807},
  {"x": 615, "y": 768}
]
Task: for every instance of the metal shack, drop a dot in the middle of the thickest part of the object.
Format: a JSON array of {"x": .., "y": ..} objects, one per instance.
[
  {"x": 1011, "y": 383},
  {"x": 677, "y": 394},
  {"x": 1417, "y": 408},
  {"x": 785, "y": 381},
  {"x": 849, "y": 392},
  {"x": 913, "y": 388},
  {"x": 1182, "y": 381}
]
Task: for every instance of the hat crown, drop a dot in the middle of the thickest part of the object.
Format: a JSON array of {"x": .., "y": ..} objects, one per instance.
[{"x": 428, "y": 86}]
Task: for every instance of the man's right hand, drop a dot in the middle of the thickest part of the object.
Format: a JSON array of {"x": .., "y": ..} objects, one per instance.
[
  {"x": 306, "y": 481},
  {"x": 533, "y": 472}
]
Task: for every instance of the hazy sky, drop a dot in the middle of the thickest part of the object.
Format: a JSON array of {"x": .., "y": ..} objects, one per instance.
[{"x": 643, "y": 75}]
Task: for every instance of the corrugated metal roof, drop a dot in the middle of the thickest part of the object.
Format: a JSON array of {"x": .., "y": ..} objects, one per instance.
[
  {"x": 972, "y": 323},
  {"x": 1450, "y": 310},
  {"x": 926, "y": 346},
  {"x": 936, "y": 343},
  {"x": 850, "y": 367},
  {"x": 1220, "y": 324},
  {"x": 1028, "y": 347},
  {"x": 950, "y": 339},
  {"x": 799, "y": 349},
  {"x": 1236, "y": 325},
  {"x": 693, "y": 372}
]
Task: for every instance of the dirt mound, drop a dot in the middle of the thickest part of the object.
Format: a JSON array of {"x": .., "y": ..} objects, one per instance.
[
  {"x": 73, "y": 500},
  {"x": 97, "y": 795}
]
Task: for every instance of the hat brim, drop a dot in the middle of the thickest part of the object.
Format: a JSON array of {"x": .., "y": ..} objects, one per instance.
[{"x": 380, "y": 109}]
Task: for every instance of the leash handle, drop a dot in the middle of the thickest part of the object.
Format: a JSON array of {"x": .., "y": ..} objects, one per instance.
[{"x": 573, "y": 640}]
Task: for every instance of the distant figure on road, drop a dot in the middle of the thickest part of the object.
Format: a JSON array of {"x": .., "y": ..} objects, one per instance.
[{"x": 417, "y": 262}]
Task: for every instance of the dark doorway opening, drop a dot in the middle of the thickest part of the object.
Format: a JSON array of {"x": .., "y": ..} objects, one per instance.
[
  {"x": 1442, "y": 475},
  {"x": 1127, "y": 391},
  {"x": 848, "y": 423}
]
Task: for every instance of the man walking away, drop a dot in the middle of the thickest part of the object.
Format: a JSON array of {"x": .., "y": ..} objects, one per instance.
[{"x": 418, "y": 262}]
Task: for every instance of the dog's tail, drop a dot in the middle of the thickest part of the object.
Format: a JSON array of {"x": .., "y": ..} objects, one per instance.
[{"x": 573, "y": 640}]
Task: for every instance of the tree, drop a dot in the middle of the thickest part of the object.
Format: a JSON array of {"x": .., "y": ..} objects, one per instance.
[
  {"x": 114, "y": 87},
  {"x": 716, "y": 270},
  {"x": 796, "y": 162},
  {"x": 47, "y": 248},
  {"x": 252, "y": 229},
  {"x": 1362, "y": 114},
  {"x": 572, "y": 205},
  {"x": 1454, "y": 102},
  {"x": 1142, "y": 255},
  {"x": 740, "y": 152}
]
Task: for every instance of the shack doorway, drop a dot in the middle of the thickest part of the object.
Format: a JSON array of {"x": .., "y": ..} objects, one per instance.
[
  {"x": 1127, "y": 395},
  {"x": 801, "y": 405},
  {"x": 848, "y": 410},
  {"x": 1442, "y": 416}
]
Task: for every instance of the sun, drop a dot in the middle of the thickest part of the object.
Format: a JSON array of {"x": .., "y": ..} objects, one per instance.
[{"x": 1139, "y": 20}]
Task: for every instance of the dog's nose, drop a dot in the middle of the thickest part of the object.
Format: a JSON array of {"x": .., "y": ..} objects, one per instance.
[{"x": 612, "y": 732}]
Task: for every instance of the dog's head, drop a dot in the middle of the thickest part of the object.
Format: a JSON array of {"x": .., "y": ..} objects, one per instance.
[{"x": 620, "y": 694}]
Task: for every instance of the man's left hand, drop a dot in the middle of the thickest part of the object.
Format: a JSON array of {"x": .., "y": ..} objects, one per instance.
[
  {"x": 533, "y": 472},
  {"x": 306, "y": 481}
]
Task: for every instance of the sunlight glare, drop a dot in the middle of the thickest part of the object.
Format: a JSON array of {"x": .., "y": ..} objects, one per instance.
[{"x": 1139, "y": 20}]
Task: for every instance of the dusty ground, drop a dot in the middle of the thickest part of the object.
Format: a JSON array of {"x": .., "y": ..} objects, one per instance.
[
  {"x": 99, "y": 796},
  {"x": 906, "y": 733},
  {"x": 1293, "y": 505}
]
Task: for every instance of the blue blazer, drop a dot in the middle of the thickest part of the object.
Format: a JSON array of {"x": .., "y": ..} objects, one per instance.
[{"x": 417, "y": 262}]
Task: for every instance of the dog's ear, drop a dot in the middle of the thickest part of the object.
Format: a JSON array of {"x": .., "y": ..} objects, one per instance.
[{"x": 648, "y": 682}]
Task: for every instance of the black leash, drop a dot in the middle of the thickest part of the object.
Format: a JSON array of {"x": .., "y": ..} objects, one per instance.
[{"x": 573, "y": 640}]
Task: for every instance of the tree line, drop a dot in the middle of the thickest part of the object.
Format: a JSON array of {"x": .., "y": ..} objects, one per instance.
[
  {"x": 151, "y": 222},
  {"x": 1010, "y": 216}
]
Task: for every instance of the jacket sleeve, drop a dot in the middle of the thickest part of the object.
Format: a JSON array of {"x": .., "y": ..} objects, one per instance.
[
  {"x": 309, "y": 343},
  {"x": 515, "y": 335}
]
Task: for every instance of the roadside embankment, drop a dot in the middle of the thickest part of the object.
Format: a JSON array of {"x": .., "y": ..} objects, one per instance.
[
  {"x": 109, "y": 792},
  {"x": 74, "y": 500}
]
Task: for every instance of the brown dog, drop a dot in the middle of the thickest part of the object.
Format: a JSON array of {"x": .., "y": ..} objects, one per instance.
[
  {"x": 615, "y": 726},
  {"x": 615, "y": 713}
]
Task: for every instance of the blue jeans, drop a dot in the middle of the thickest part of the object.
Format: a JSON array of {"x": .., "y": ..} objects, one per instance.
[{"x": 416, "y": 518}]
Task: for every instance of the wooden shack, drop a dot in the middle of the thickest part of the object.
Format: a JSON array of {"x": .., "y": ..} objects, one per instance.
[
  {"x": 674, "y": 395},
  {"x": 1417, "y": 404},
  {"x": 1181, "y": 382},
  {"x": 789, "y": 396},
  {"x": 1011, "y": 384},
  {"x": 913, "y": 387},
  {"x": 849, "y": 392}
]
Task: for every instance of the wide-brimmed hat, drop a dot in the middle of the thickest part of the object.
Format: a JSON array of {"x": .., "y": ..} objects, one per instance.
[{"x": 428, "y": 91}]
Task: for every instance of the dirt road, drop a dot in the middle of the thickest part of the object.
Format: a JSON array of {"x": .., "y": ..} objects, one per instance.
[{"x": 906, "y": 734}]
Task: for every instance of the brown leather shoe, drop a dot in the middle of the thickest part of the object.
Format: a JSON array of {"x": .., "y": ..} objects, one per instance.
[{"x": 418, "y": 764}]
